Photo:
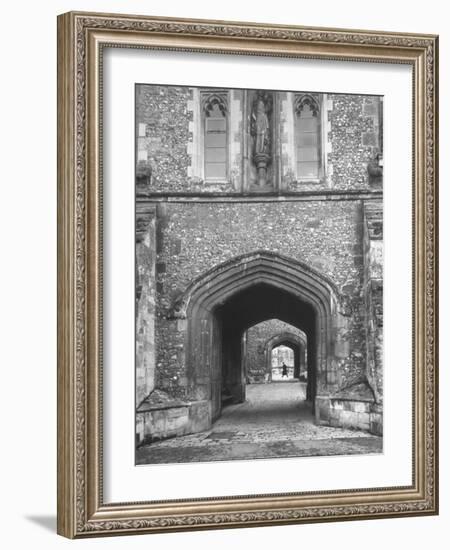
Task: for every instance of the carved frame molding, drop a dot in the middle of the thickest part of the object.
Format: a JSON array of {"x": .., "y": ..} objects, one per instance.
[{"x": 81, "y": 37}]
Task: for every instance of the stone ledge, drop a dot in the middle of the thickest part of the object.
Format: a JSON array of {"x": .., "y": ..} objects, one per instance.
[
  {"x": 167, "y": 417},
  {"x": 358, "y": 391},
  {"x": 160, "y": 400},
  {"x": 325, "y": 194},
  {"x": 143, "y": 408},
  {"x": 146, "y": 407},
  {"x": 339, "y": 412}
]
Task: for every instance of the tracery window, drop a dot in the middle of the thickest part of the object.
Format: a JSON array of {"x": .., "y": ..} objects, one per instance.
[
  {"x": 308, "y": 137},
  {"x": 215, "y": 135}
]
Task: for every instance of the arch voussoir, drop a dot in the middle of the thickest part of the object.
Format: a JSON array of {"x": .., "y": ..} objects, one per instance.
[{"x": 220, "y": 282}]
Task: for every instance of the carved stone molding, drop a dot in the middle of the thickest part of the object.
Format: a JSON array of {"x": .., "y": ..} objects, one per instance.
[
  {"x": 312, "y": 101},
  {"x": 209, "y": 98},
  {"x": 271, "y": 261},
  {"x": 143, "y": 178},
  {"x": 375, "y": 170},
  {"x": 144, "y": 214},
  {"x": 373, "y": 213}
]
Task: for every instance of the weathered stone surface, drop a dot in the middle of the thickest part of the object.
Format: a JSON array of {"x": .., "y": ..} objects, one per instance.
[
  {"x": 163, "y": 110},
  {"x": 373, "y": 295},
  {"x": 354, "y": 135},
  {"x": 145, "y": 303},
  {"x": 160, "y": 417},
  {"x": 197, "y": 237},
  {"x": 159, "y": 400},
  {"x": 259, "y": 337},
  {"x": 350, "y": 413}
]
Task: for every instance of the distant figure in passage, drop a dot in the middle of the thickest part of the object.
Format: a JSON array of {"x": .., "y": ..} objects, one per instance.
[{"x": 284, "y": 371}]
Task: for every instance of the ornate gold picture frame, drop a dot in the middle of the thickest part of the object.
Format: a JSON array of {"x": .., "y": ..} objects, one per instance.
[{"x": 82, "y": 509}]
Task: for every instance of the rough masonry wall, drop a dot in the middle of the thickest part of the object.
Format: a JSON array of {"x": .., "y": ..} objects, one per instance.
[
  {"x": 162, "y": 110},
  {"x": 195, "y": 237},
  {"x": 354, "y": 138},
  {"x": 257, "y": 336}
]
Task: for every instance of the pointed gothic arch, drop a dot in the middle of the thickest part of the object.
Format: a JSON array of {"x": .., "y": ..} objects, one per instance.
[
  {"x": 312, "y": 101},
  {"x": 297, "y": 342},
  {"x": 225, "y": 301}
]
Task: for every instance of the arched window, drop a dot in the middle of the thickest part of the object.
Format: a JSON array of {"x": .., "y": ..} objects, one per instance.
[
  {"x": 308, "y": 137},
  {"x": 215, "y": 137}
]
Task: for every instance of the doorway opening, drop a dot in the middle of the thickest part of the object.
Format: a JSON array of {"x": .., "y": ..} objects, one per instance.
[
  {"x": 235, "y": 318},
  {"x": 282, "y": 360},
  {"x": 223, "y": 304}
]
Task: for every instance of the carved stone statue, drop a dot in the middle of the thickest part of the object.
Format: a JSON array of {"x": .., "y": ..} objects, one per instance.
[
  {"x": 261, "y": 127},
  {"x": 260, "y": 130}
]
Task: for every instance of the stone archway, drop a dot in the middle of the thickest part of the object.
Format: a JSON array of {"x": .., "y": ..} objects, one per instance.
[
  {"x": 296, "y": 342},
  {"x": 225, "y": 301}
]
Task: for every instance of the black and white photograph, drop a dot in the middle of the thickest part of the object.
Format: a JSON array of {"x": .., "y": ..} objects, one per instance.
[{"x": 259, "y": 274}]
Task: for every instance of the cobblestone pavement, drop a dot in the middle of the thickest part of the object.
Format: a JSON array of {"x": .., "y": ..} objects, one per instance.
[{"x": 275, "y": 421}]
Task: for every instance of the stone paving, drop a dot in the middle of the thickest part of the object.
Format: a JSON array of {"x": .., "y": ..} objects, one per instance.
[{"x": 275, "y": 421}]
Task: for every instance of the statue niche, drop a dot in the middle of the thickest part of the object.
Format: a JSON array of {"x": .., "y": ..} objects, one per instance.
[{"x": 261, "y": 132}]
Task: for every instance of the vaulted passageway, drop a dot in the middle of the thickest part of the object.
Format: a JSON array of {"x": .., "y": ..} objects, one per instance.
[
  {"x": 270, "y": 344},
  {"x": 248, "y": 308}
]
